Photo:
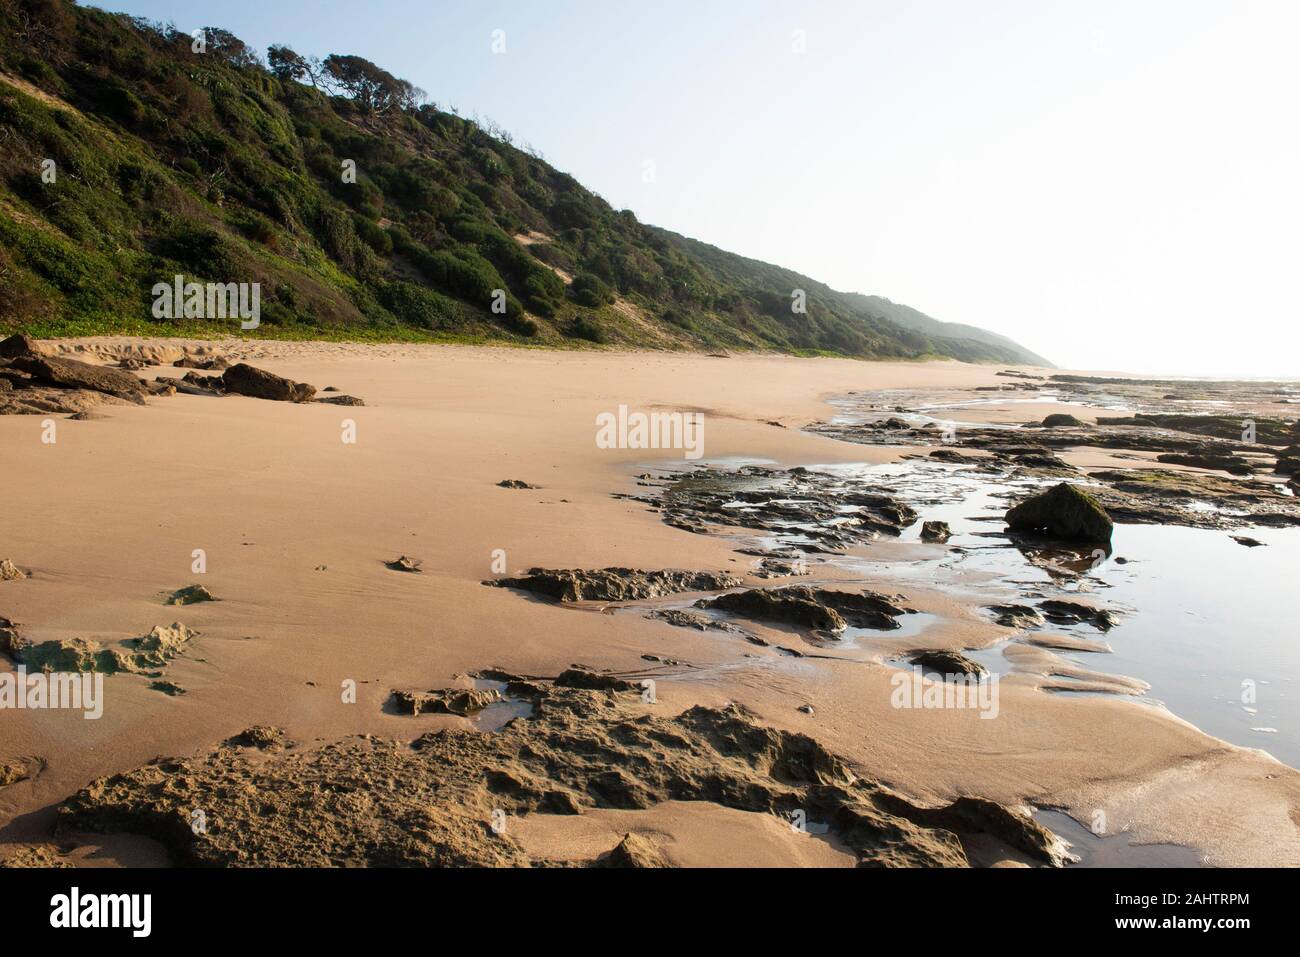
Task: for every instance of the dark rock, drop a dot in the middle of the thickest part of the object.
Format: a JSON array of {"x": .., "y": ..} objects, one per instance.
[
  {"x": 935, "y": 531},
  {"x": 1062, "y": 512},
  {"x": 1207, "y": 459},
  {"x": 819, "y": 609},
  {"x": 243, "y": 379},
  {"x": 1061, "y": 420},
  {"x": 946, "y": 663},
  {"x": 1247, "y": 541},
  {"x": 514, "y": 483},
  {"x": 19, "y": 345},
  {"x": 341, "y": 400},
  {"x": 593, "y": 681},
  {"x": 614, "y": 584},
  {"x": 1017, "y": 616},
  {"x": 1064, "y": 612},
  {"x": 404, "y": 564}
]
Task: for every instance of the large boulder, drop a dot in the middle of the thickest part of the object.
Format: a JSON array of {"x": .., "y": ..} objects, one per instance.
[
  {"x": 243, "y": 379},
  {"x": 1063, "y": 512},
  {"x": 19, "y": 345},
  {"x": 73, "y": 374},
  {"x": 1059, "y": 420}
]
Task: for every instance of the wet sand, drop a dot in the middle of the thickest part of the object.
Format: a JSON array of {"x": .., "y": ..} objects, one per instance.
[{"x": 297, "y": 525}]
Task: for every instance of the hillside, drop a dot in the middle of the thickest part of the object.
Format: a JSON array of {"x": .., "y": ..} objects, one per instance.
[{"x": 129, "y": 154}]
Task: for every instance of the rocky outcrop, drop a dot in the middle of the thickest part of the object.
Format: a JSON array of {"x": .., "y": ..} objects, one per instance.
[
  {"x": 1063, "y": 512},
  {"x": 9, "y": 572},
  {"x": 820, "y": 610},
  {"x": 434, "y": 802},
  {"x": 613, "y": 584},
  {"x": 243, "y": 379}
]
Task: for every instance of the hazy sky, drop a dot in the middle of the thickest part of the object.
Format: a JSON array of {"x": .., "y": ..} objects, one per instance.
[{"x": 1114, "y": 185}]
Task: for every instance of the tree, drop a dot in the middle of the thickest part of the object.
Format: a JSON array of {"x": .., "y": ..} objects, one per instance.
[
  {"x": 287, "y": 65},
  {"x": 372, "y": 88},
  {"x": 228, "y": 46}
]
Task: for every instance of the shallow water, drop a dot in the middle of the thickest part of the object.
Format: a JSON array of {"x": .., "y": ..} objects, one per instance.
[{"x": 1208, "y": 623}]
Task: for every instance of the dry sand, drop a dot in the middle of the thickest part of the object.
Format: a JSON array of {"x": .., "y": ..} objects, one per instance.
[{"x": 296, "y": 526}]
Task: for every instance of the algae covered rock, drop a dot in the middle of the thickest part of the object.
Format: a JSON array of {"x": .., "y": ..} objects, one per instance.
[{"x": 1062, "y": 512}]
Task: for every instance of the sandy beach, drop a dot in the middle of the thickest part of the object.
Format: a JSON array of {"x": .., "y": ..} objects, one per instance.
[{"x": 296, "y": 525}]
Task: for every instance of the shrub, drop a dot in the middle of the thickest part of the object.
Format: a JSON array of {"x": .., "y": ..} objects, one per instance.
[{"x": 589, "y": 290}]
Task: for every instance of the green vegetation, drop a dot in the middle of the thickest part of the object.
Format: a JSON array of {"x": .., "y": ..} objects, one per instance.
[{"x": 363, "y": 211}]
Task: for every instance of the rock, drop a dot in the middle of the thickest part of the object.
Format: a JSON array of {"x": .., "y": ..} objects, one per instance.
[
  {"x": 633, "y": 851},
  {"x": 209, "y": 364},
  {"x": 614, "y": 584},
  {"x": 132, "y": 364},
  {"x": 1044, "y": 461},
  {"x": 514, "y": 483},
  {"x": 1017, "y": 616},
  {"x": 379, "y": 802},
  {"x": 806, "y": 709},
  {"x": 819, "y": 609},
  {"x": 690, "y": 619},
  {"x": 1059, "y": 420},
  {"x": 158, "y": 387},
  {"x": 72, "y": 374},
  {"x": 1247, "y": 541},
  {"x": 20, "y": 345},
  {"x": 1062, "y": 512},
  {"x": 9, "y": 572},
  {"x": 341, "y": 400},
  {"x": 88, "y": 416},
  {"x": 404, "y": 564},
  {"x": 934, "y": 531},
  {"x": 190, "y": 595},
  {"x": 1288, "y": 461},
  {"x": 949, "y": 455},
  {"x": 593, "y": 681},
  {"x": 262, "y": 737},
  {"x": 169, "y": 688},
  {"x": 243, "y": 379},
  {"x": 1208, "y": 459},
  {"x": 457, "y": 701},
  {"x": 1072, "y": 612},
  {"x": 947, "y": 663},
  {"x": 779, "y": 568}
]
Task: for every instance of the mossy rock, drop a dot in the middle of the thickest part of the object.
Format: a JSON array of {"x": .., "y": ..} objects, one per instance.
[{"x": 1063, "y": 512}]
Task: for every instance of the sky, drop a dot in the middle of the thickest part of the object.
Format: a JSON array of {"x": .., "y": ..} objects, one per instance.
[{"x": 1114, "y": 185}]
